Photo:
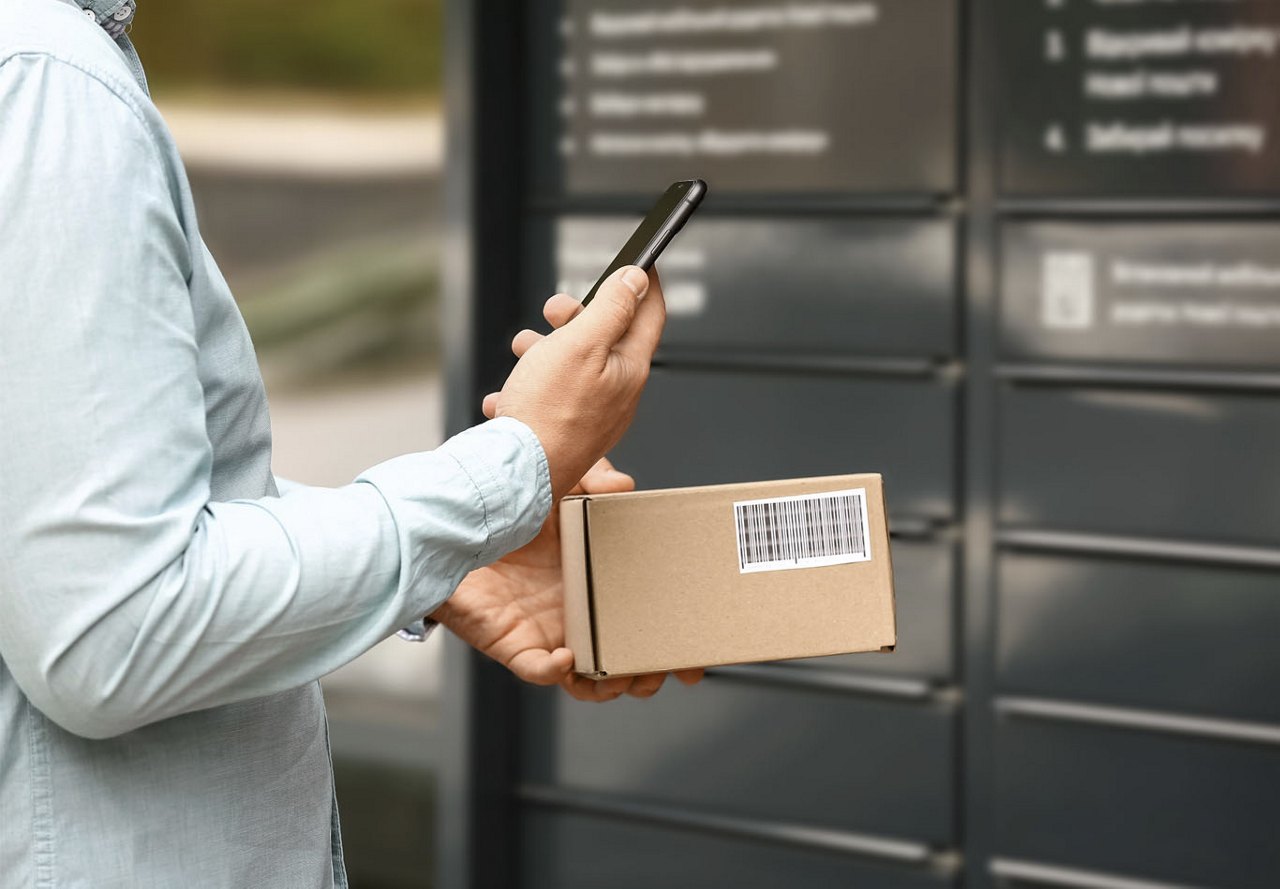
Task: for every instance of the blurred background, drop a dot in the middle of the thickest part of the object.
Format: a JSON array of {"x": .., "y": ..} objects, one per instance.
[
  {"x": 313, "y": 139},
  {"x": 1023, "y": 258}
]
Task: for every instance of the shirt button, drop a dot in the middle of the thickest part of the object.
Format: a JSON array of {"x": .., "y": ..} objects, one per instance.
[
  {"x": 90, "y": 13},
  {"x": 123, "y": 13}
]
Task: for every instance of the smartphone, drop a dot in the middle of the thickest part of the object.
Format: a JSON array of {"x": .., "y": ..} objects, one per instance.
[{"x": 652, "y": 236}]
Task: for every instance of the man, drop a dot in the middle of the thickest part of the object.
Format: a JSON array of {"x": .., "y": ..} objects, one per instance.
[{"x": 164, "y": 615}]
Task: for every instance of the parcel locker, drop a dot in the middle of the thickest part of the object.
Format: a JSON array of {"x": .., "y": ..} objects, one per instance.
[
  {"x": 1194, "y": 465},
  {"x": 705, "y": 426},
  {"x": 829, "y": 759},
  {"x": 1144, "y": 804},
  {"x": 775, "y": 286},
  {"x": 641, "y": 855},
  {"x": 1167, "y": 636},
  {"x": 1028, "y": 272}
]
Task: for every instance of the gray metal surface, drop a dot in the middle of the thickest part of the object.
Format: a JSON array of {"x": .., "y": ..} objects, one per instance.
[
  {"x": 1192, "y": 465},
  {"x": 817, "y": 757},
  {"x": 1196, "y": 638},
  {"x": 1144, "y": 804},
  {"x": 703, "y": 426},
  {"x": 630, "y": 854}
]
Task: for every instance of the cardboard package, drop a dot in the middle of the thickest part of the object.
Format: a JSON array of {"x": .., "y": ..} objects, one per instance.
[{"x": 696, "y": 577}]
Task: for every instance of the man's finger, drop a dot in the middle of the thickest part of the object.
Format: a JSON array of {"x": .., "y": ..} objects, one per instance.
[
  {"x": 561, "y": 309},
  {"x": 585, "y": 689},
  {"x": 538, "y": 666},
  {"x": 647, "y": 686},
  {"x": 641, "y": 339},
  {"x": 606, "y": 320},
  {"x": 489, "y": 407},
  {"x": 690, "y": 677},
  {"x": 524, "y": 341},
  {"x": 604, "y": 479}
]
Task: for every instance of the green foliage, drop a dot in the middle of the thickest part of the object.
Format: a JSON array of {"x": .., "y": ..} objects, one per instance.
[{"x": 336, "y": 45}]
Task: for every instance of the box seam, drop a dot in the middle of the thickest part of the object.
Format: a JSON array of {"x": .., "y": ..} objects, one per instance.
[{"x": 591, "y": 591}]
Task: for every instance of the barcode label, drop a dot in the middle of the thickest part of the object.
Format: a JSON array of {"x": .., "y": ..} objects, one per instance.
[{"x": 802, "y": 532}]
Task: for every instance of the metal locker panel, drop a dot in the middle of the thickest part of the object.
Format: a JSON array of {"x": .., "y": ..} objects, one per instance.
[
  {"x": 1179, "y": 637},
  {"x": 1067, "y": 71},
  {"x": 782, "y": 286},
  {"x": 702, "y": 427},
  {"x": 1144, "y": 804},
  {"x": 924, "y": 573},
  {"x": 572, "y": 850},
  {"x": 735, "y": 747},
  {"x": 1169, "y": 294},
  {"x": 768, "y": 129},
  {"x": 1196, "y": 465}
]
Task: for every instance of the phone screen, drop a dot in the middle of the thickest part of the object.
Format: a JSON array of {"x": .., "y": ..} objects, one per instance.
[{"x": 657, "y": 229}]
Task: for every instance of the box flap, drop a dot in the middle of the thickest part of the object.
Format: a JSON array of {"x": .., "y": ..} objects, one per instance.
[{"x": 575, "y": 560}]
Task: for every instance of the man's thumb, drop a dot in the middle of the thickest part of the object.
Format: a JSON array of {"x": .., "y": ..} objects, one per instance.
[{"x": 609, "y": 315}]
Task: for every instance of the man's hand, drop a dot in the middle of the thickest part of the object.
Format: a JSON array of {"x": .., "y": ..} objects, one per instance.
[
  {"x": 577, "y": 388},
  {"x": 513, "y": 611}
]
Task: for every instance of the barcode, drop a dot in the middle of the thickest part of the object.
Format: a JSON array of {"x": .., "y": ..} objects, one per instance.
[{"x": 802, "y": 532}]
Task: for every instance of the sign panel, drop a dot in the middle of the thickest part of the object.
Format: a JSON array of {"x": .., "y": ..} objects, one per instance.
[
  {"x": 828, "y": 286},
  {"x": 821, "y": 98},
  {"x": 1140, "y": 98},
  {"x": 1168, "y": 293}
]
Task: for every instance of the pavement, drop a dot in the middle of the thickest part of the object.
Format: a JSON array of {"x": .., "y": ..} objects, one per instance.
[{"x": 300, "y": 140}]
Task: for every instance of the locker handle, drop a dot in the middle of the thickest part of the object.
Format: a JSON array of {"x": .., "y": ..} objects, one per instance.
[
  {"x": 783, "y": 833},
  {"x": 1053, "y": 875},
  {"x": 1206, "y": 727},
  {"x": 828, "y": 679},
  {"x": 1127, "y": 209},
  {"x": 1071, "y": 375},
  {"x": 1138, "y": 547},
  {"x": 748, "y": 361}
]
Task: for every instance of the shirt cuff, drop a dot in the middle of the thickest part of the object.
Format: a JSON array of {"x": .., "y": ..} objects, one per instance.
[{"x": 512, "y": 480}]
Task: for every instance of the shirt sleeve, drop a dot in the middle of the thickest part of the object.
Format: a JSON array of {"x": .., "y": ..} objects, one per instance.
[{"x": 126, "y": 595}]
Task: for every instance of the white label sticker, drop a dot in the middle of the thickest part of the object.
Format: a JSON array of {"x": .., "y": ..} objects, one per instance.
[
  {"x": 1067, "y": 290},
  {"x": 809, "y": 531}
]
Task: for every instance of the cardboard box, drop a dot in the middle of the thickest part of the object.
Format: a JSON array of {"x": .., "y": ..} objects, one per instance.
[{"x": 695, "y": 577}]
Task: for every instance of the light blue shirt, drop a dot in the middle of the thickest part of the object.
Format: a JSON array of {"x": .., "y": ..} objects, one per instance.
[{"x": 164, "y": 615}]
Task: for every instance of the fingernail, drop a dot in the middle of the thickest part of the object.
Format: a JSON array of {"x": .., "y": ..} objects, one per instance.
[{"x": 636, "y": 279}]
